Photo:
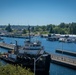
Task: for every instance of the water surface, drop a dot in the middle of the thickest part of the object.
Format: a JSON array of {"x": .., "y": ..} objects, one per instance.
[{"x": 50, "y": 47}]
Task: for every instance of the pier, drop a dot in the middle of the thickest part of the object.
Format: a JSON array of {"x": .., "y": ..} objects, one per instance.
[
  {"x": 7, "y": 46},
  {"x": 66, "y": 52},
  {"x": 57, "y": 59},
  {"x": 13, "y": 36},
  {"x": 64, "y": 61}
]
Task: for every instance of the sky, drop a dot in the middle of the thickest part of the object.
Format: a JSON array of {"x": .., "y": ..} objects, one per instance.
[{"x": 37, "y": 12}]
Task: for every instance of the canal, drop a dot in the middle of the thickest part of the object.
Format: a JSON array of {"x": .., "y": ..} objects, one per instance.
[{"x": 49, "y": 46}]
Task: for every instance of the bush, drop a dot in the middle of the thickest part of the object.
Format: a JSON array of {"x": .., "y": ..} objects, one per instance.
[{"x": 14, "y": 70}]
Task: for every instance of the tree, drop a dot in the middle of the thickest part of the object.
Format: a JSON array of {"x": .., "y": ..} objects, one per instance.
[
  {"x": 73, "y": 28},
  {"x": 43, "y": 28},
  {"x": 62, "y": 25},
  {"x": 8, "y": 28},
  {"x": 37, "y": 28},
  {"x": 24, "y": 31},
  {"x": 56, "y": 29},
  {"x": 51, "y": 30}
]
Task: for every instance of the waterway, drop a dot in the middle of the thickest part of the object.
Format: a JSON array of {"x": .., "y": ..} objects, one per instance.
[{"x": 49, "y": 46}]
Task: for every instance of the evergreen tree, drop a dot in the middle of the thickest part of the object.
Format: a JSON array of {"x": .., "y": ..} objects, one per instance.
[
  {"x": 24, "y": 31},
  {"x": 8, "y": 28}
]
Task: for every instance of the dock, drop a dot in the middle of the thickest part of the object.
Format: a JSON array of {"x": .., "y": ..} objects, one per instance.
[
  {"x": 66, "y": 52},
  {"x": 12, "y": 36},
  {"x": 7, "y": 46},
  {"x": 64, "y": 61},
  {"x": 55, "y": 58}
]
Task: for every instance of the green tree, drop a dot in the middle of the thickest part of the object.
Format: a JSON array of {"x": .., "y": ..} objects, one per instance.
[
  {"x": 62, "y": 28},
  {"x": 51, "y": 30},
  {"x": 62, "y": 25},
  {"x": 37, "y": 28},
  {"x": 24, "y": 31},
  {"x": 73, "y": 25},
  {"x": 43, "y": 28},
  {"x": 56, "y": 29},
  {"x": 8, "y": 28}
]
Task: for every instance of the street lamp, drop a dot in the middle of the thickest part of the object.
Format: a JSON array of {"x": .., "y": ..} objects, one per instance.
[{"x": 36, "y": 60}]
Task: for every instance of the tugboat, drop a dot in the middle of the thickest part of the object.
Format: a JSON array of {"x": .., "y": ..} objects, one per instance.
[{"x": 31, "y": 55}]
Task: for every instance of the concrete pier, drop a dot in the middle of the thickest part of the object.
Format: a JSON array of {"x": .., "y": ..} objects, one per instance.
[
  {"x": 57, "y": 59},
  {"x": 64, "y": 61},
  {"x": 66, "y": 52},
  {"x": 7, "y": 46}
]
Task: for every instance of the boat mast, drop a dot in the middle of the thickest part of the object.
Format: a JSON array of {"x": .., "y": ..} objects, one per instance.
[{"x": 16, "y": 48}]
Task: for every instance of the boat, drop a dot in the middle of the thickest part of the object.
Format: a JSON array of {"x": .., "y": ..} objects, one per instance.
[
  {"x": 61, "y": 39},
  {"x": 66, "y": 40},
  {"x": 31, "y": 55},
  {"x": 52, "y": 37}
]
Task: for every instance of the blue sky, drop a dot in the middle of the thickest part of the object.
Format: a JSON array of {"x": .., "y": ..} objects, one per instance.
[{"x": 37, "y": 12}]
